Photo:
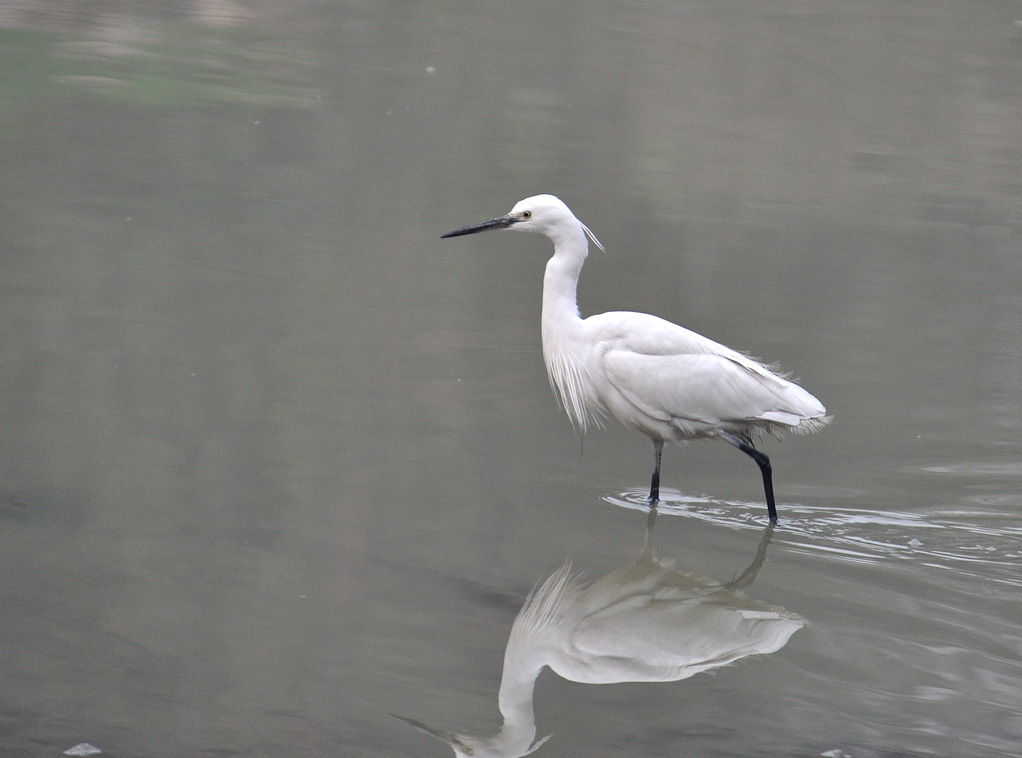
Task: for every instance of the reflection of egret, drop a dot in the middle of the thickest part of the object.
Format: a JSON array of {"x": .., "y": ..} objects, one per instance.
[
  {"x": 661, "y": 379},
  {"x": 642, "y": 623}
]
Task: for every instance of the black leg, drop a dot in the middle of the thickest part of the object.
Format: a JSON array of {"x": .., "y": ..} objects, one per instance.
[
  {"x": 654, "y": 485},
  {"x": 764, "y": 466}
]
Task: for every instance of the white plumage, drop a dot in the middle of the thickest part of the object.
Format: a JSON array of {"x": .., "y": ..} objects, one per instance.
[{"x": 659, "y": 378}]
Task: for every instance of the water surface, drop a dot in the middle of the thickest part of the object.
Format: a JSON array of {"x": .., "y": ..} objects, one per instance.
[{"x": 276, "y": 462}]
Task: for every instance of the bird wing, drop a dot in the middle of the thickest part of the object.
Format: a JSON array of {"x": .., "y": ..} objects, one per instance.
[
  {"x": 699, "y": 388},
  {"x": 674, "y": 375},
  {"x": 650, "y": 335}
]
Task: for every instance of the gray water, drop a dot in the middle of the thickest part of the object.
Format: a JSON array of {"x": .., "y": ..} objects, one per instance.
[{"x": 276, "y": 462}]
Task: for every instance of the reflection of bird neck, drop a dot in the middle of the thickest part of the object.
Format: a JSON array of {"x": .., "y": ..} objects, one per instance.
[
  {"x": 534, "y": 634},
  {"x": 517, "y": 684},
  {"x": 564, "y": 349}
]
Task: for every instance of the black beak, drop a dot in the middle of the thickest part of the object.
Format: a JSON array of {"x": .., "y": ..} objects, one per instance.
[{"x": 501, "y": 222}]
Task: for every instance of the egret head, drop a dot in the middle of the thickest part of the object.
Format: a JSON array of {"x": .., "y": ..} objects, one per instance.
[{"x": 545, "y": 214}]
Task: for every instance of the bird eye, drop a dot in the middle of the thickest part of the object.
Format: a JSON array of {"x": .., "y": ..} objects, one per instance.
[{"x": 526, "y": 214}]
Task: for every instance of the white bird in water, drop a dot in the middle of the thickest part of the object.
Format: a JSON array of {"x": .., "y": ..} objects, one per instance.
[{"x": 651, "y": 375}]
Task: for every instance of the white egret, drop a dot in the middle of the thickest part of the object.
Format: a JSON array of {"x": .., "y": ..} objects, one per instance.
[{"x": 651, "y": 375}]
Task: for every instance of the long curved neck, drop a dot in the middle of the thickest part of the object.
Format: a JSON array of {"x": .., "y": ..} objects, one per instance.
[
  {"x": 561, "y": 318},
  {"x": 564, "y": 348},
  {"x": 560, "y": 283}
]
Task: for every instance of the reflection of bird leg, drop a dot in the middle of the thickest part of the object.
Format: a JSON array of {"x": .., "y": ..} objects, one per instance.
[
  {"x": 650, "y": 520},
  {"x": 748, "y": 576}
]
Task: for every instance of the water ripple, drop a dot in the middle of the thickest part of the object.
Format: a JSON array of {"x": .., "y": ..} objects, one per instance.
[
  {"x": 972, "y": 468},
  {"x": 977, "y": 541}
]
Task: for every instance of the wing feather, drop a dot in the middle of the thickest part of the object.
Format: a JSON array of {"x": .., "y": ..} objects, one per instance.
[{"x": 673, "y": 375}]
